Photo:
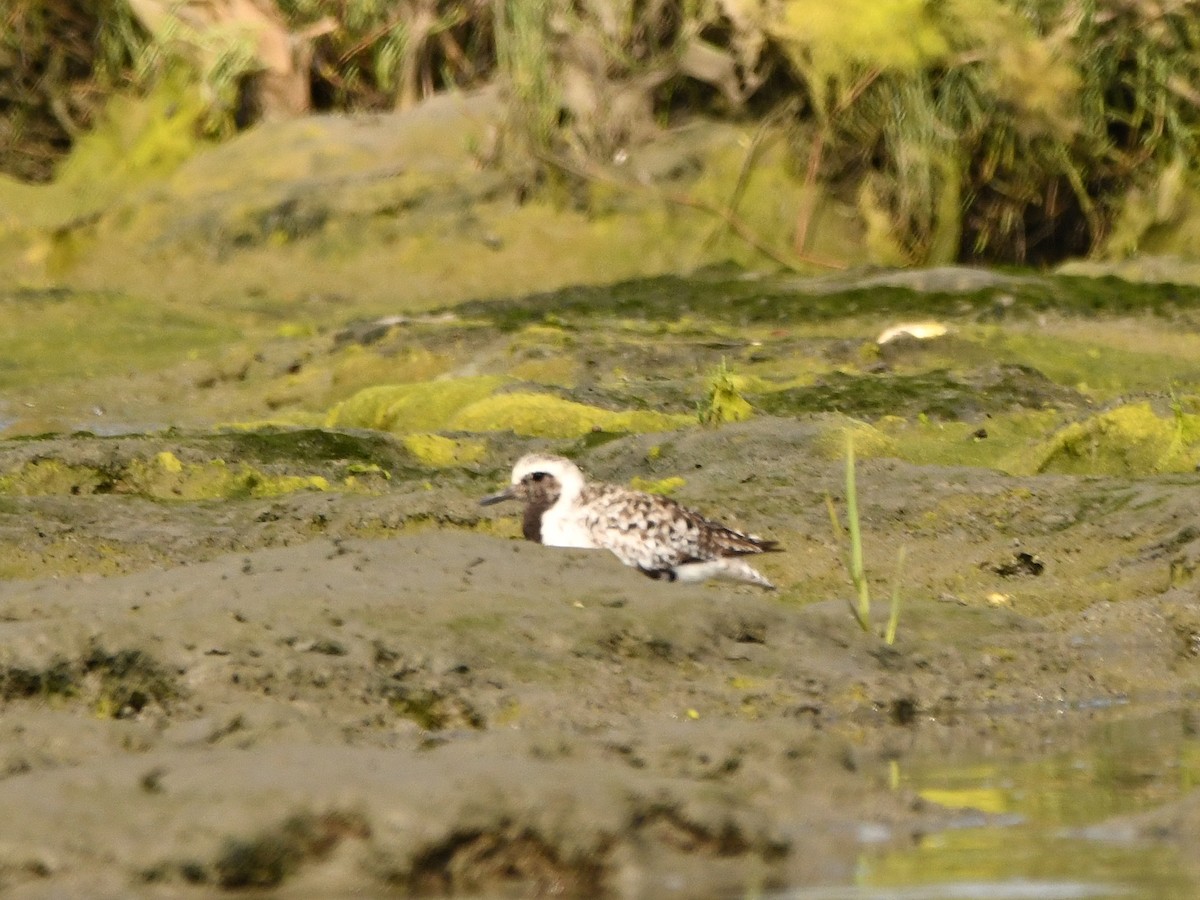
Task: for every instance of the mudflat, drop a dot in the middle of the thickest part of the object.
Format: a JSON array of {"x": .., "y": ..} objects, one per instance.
[{"x": 338, "y": 692}]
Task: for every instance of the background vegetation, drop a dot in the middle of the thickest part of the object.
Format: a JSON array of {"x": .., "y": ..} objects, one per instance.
[{"x": 991, "y": 130}]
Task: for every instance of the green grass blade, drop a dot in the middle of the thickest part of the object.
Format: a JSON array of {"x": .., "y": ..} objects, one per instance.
[
  {"x": 839, "y": 533},
  {"x": 889, "y": 634},
  {"x": 857, "y": 575}
]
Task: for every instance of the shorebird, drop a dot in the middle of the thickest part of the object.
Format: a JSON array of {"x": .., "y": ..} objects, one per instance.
[{"x": 651, "y": 533}]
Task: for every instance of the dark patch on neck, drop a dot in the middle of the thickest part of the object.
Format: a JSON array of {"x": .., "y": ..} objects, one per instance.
[{"x": 531, "y": 523}]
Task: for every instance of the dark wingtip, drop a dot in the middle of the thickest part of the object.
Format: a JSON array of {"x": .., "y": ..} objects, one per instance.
[{"x": 756, "y": 545}]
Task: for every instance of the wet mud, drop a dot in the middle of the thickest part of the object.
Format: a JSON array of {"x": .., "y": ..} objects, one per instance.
[
  {"x": 256, "y": 631},
  {"x": 341, "y": 691}
]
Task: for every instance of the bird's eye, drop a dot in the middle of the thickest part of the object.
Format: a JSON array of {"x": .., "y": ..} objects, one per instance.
[{"x": 538, "y": 476}]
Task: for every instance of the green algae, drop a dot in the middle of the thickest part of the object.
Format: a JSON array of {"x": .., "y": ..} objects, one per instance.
[
  {"x": 543, "y": 415},
  {"x": 988, "y": 394},
  {"x": 1096, "y": 366},
  {"x": 43, "y": 477},
  {"x": 1002, "y": 441},
  {"x": 162, "y": 477},
  {"x": 665, "y": 486},
  {"x": 1128, "y": 440},
  {"x": 721, "y": 297},
  {"x": 226, "y": 465},
  {"x": 724, "y": 401},
  {"x": 358, "y": 367},
  {"x": 546, "y": 335},
  {"x": 414, "y": 407},
  {"x": 556, "y": 371},
  {"x": 472, "y": 404},
  {"x": 868, "y": 441},
  {"x": 441, "y": 452},
  {"x": 53, "y": 335},
  {"x": 634, "y": 353},
  {"x": 308, "y": 445},
  {"x": 165, "y": 477},
  {"x": 938, "y": 394}
]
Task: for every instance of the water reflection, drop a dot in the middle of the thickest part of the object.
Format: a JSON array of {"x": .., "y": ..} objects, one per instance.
[{"x": 1045, "y": 835}]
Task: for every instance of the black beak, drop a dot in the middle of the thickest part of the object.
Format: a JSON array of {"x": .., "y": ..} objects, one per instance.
[{"x": 506, "y": 494}]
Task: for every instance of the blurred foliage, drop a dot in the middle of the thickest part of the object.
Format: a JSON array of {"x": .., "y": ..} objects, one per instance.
[
  {"x": 59, "y": 62},
  {"x": 1005, "y": 130},
  {"x": 385, "y": 54},
  {"x": 993, "y": 130}
]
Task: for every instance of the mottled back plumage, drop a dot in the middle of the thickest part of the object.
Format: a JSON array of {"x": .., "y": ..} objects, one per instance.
[{"x": 652, "y": 533}]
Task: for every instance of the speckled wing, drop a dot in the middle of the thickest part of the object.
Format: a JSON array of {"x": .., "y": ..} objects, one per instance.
[{"x": 655, "y": 533}]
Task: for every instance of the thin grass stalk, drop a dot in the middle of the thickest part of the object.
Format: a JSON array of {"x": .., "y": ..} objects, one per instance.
[
  {"x": 839, "y": 533},
  {"x": 862, "y": 611},
  {"x": 889, "y": 634}
]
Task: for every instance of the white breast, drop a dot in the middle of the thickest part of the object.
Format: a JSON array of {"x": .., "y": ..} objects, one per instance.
[{"x": 563, "y": 527}]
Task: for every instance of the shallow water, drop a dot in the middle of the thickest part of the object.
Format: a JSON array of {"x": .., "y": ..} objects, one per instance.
[{"x": 1048, "y": 822}]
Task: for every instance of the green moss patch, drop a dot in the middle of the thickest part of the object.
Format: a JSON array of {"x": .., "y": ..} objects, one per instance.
[
  {"x": 742, "y": 302},
  {"x": 868, "y": 441},
  {"x": 440, "y": 452},
  {"x": 162, "y": 477},
  {"x": 165, "y": 477},
  {"x": 1128, "y": 440},
  {"x": 542, "y": 415},
  {"x": 49, "y": 477},
  {"x": 937, "y": 395},
  {"x": 1096, "y": 366},
  {"x": 724, "y": 401},
  {"x": 416, "y": 407},
  {"x": 1002, "y": 441},
  {"x": 308, "y": 446},
  {"x": 50, "y": 335},
  {"x": 473, "y": 404},
  {"x": 664, "y": 486}
]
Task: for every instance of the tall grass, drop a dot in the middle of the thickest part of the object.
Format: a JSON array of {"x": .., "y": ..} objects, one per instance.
[
  {"x": 851, "y": 539},
  {"x": 858, "y": 577},
  {"x": 523, "y": 51}
]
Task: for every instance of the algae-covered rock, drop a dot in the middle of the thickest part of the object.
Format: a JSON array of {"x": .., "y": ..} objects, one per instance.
[
  {"x": 542, "y": 415},
  {"x": 417, "y": 407},
  {"x": 472, "y": 404},
  {"x": 161, "y": 477},
  {"x": 438, "y": 451},
  {"x": 41, "y": 477},
  {"x": 1128, "y": 440},
  {"x": 166, "y": 477}
]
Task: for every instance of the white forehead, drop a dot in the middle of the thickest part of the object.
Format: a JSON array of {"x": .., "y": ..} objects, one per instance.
[{"x": 562, "y": 469}]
